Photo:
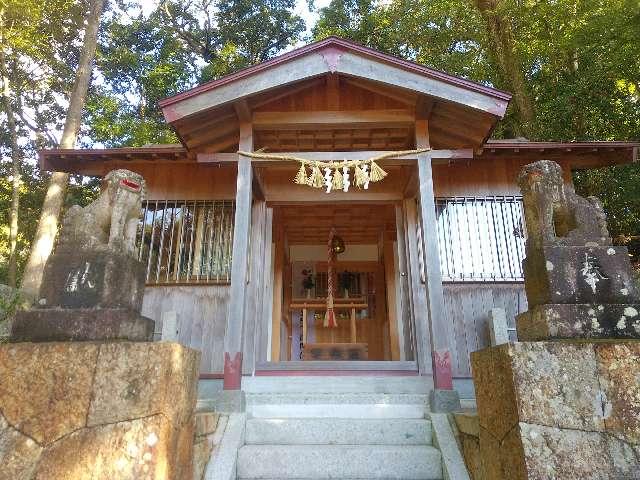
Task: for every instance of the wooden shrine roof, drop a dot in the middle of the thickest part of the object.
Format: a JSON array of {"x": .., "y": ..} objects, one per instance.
[
  {"x": 580, "y": 154},
  {"x": 335, "y": 94}
]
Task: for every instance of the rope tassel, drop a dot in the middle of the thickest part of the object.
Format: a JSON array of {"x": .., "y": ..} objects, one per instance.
[
  {"x": 377, "y": 173},
  {"x": 316, "y": 180},
  {"x": 359, "y": 176},
  {"x": 301, "y": 176},
  {"x": 338, "y": 181}
]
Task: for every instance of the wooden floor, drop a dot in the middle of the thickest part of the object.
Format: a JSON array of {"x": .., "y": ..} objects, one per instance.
[{"x": 312, "y": 368}]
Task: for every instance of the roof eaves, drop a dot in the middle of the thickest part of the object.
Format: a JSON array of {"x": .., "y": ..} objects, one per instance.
[{"x": 345, "y": 44}]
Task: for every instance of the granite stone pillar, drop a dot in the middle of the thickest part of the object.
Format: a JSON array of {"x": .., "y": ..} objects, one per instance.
[{"x": 565, "y": 402}]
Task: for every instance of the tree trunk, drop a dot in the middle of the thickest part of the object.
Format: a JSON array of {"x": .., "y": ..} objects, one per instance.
[
  {"x": 54, "y": 199},
  {"x": 510, "y": 67},
  {"x": 16, "y": 170}
]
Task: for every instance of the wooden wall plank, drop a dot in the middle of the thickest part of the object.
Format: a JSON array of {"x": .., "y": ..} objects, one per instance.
[
  {"x": 467, "y": 306},
  {"x": 201, "y": 313},
  {"x": 184, "y": 181},
  {"x": 480, "y": 177}
]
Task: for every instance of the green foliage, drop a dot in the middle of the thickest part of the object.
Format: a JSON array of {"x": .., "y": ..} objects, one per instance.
[
  {"x": 81, "y": 192},
  {"x": 581, "y": 62},
  {"x": 179, "y": 45},
  {"x": 10, "y": 302}
]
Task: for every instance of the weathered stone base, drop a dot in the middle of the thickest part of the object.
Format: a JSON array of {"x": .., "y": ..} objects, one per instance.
[
  {"x": 77, "y": 278},
  {"x": 560, "y": 321},
  {"x": 570, "y": 274},
  {"x": 97, "y": 411},
  {"x": 559, "y": 410},
  {"x": 444, "y": 401},
  {"x": 87, "y": 324}
]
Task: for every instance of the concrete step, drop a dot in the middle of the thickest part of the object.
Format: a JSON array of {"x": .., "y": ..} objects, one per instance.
[
  {"x": 335, "y": 431},
  {"x": 337, "y": 384},
  {"x": 338, "y": 405},
  {"x": 320, "y": 462}
]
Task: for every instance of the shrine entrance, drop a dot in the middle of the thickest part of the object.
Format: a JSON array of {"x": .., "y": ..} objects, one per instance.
[{"x": 338, "y": 303}]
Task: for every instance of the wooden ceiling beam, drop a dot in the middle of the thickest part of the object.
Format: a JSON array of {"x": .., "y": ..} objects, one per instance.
[
  {"x": 332, "y": 119},
  {"x": 408, "y": 159}
]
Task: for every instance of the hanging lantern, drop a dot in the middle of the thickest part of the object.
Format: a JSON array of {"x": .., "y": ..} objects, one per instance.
[{"x": 337, "y": 244}]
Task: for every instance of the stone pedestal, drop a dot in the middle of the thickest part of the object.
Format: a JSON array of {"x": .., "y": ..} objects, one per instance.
[
  {"x": 561, "y": 274},
  {"x": 579, "y": 292},
  {"x": 87, "y": 295},
  {"x": 92, "y": 279},
  {"x": 559, "y": 410},
  {"x": 97, "y": 410}
]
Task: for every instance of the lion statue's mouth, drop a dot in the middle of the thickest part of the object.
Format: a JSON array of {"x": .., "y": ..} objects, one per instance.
[{"x": 132, "y": 185}]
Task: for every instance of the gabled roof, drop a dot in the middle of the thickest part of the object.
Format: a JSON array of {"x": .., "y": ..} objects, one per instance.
[{"x": 335, "y": 55}]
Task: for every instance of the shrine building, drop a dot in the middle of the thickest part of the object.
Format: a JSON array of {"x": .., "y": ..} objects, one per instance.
[{"x": 334, "y": 211}]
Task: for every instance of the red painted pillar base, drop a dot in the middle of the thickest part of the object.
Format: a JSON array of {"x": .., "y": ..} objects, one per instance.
[
  {"x": 232, "y": 371},
  {"x": 442, "y": 375}
]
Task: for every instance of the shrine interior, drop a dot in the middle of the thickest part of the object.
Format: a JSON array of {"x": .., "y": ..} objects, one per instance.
[{"x": 364, "y": 328}]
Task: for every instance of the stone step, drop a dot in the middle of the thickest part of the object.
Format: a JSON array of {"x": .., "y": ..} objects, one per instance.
[
  {"x": 335, "y": 431},
  {"x": 334, "y": 410},
  {"x": 320, "y": 462},
  {"x": 336, "y": 384},
  {"x": 338, "y": 405},
  {"x": 337, "y": 398}
]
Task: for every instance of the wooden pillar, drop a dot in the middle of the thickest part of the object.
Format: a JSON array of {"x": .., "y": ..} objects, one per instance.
[
  {"x": 239, "y": 263},
  {"x": 263, "y": 322},
  {"x": 420, "y": 306},
  {"x": 392, "y": 299},
  {"x": 438, "y": 323},
  {"x": 278, "y": 279},
  {"x": 405, "y": 325}
]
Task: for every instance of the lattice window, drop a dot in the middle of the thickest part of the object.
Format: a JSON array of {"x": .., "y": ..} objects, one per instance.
[
  {"x": 183, "y": 241},
  {"x": 481, "y": 238}
]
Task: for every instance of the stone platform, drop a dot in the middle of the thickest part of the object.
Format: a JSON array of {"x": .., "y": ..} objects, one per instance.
[
  {"x": 81, "y": 324},
  {"x": 97, "y": 410},
  {"x": 565, "y": 410}
]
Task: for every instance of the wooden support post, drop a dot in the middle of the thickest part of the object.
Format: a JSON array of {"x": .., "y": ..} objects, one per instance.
[
  {"x": 242, "y": 221},
  {"x": 304, "y": 326},
  {"x": 442, "y": 373},
  {"x": 354, "y": 335},
  {"x": 417, "y": 293},
  {"x": 276, "y": 318},
  {"x": 405, "y": 328},
  {"x": 263, "y": 324},
  {"x": 392, "y": 300}
]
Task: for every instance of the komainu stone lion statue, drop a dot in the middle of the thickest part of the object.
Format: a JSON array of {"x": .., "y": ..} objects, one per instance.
[
  {"x": 110, "y": 221},
  {"x": 555, "y": 215}
]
